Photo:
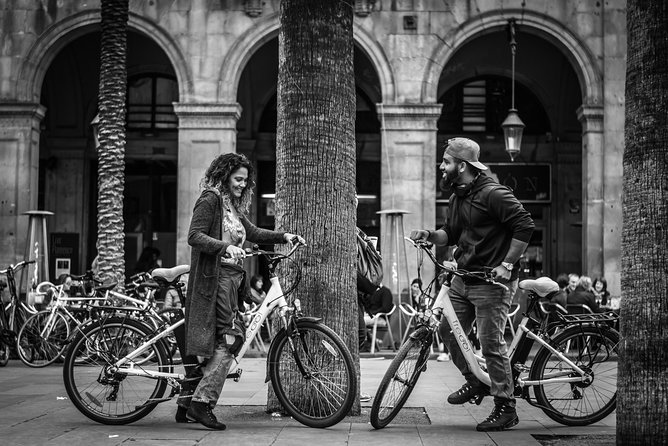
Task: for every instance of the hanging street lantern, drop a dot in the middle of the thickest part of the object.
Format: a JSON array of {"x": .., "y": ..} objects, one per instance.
[{"x": 512, "y": 126}]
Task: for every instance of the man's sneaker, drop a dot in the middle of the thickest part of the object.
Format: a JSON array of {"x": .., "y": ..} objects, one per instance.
[
  {"x": 468, "y": 392},
  {"x": 365, "y": 397},
  {"x": 503, "y": 416},
  {"x": 443, "y": 357}
]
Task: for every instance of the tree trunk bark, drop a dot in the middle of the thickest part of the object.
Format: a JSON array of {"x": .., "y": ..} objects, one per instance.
[
  {"x": 315, "y": 157},
  {"x": 111, "y": 152},
  {"x": 642, "y": 409}
]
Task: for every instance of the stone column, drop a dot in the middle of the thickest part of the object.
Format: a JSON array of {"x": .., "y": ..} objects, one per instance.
[
  {"x": 205, "y": 131},
  {"x": 593, "y": 169},
  {"x": 19, "y": 174},
  {"x": 408, "y": 165}
]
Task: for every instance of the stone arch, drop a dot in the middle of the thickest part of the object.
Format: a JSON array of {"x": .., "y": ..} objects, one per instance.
[
  {"x": 581, "y": 58},
  {"x": 48, "y": 45},
  {"x": 265, "y": 30},
  {"x": 379, "y": 60}
]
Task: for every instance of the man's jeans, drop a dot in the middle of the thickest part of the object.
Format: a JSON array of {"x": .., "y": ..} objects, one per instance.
[{"x": 488, "y": 305}]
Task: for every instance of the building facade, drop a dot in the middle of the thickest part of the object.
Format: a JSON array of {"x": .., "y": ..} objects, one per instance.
[{"x": 202, "y": 81}]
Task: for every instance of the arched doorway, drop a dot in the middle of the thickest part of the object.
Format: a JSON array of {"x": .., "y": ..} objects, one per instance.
[
  {"x": 474, "y": 89},
  {"x": 68, "y": 167},
  {"x": 256, "y": 136}
]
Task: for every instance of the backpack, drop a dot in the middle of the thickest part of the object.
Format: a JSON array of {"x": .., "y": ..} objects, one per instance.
[{"x": 369, "y": 261}]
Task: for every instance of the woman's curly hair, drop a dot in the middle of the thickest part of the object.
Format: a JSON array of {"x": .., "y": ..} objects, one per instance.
[{"x": 218, "y": 174}]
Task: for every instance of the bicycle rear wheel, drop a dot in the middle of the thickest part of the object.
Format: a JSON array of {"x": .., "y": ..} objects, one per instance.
[
  {"x": 315, "y": 381},
  {"x": 579, "y": 403},
  {"x": 107, "y": 395},
  {"x": 400, "y": 378},
  {"x": 39, "y": 347}
]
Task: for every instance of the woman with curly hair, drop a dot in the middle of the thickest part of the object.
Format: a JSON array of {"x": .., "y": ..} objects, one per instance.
[{"x": 218, "y": 229}]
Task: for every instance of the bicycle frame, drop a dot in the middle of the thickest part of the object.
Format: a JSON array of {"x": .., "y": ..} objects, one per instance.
[
  {"x": 60, "y": 306},
  {"x": 274, "y": 299},
  {"x": 443, "y": 305},
  {"x": 474, "y": 361}
]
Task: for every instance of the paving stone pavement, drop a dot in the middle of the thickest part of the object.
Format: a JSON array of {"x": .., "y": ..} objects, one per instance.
[{"x": 35, "y": 410}]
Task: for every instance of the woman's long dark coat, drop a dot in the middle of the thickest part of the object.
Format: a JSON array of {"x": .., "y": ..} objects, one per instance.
[{"x": 207, "y": 248}]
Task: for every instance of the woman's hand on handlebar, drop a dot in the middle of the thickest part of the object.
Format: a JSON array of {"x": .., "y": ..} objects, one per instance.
[
  {"x": 293, "y": 239},
  {"x": 234, "y": 252}
]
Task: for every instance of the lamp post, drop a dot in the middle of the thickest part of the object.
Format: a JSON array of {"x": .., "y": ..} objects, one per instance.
[{"x": 512, "y": 126}]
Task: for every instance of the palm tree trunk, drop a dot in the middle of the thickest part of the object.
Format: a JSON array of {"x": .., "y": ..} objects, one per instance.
[
  {"x": 111, "y": 152},
  {"x": 315, "y": 157},
  {"x": 642, "y": 409}
]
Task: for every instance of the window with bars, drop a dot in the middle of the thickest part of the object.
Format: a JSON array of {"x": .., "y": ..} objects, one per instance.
[
  {"x": 150, "y": 98},
  {"x": 474, "y": 102}
]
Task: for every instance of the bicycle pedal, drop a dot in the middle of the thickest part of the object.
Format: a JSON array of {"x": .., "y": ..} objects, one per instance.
[
  {"x": 236, "y": 376},
  {"x": 477, "y": 400}
]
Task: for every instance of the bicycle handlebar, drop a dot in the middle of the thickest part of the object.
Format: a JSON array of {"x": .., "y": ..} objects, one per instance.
[
  {"x": 485, "y": 276},
  {"x": 19, "y": 265},
  {"x": 256, "y": 251}
]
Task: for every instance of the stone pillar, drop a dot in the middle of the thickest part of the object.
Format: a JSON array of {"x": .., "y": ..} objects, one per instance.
[
  {"x": 593, "y": 169},
  {"x": 19, "y": 174},
  {"x": 205, "y": 131},
  {"x": 408, "y": 165}
]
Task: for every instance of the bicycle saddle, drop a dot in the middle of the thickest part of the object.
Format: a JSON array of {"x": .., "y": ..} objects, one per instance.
[
  {"x": 541, "y": 286},
  {"x": 170, "y": 274}
]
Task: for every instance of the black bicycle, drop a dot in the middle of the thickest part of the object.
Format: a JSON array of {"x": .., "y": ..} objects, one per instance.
[
  {"x": 573, "y": 374},
  {"x": 13, "y": 314}
]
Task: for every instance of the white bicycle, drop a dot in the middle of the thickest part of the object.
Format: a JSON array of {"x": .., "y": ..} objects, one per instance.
[
  {"x": 310, "y": 367},
  {"x": 573, "y": 374}
]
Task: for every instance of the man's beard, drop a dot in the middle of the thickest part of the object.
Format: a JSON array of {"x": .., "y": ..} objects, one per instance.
[{"x": 450, "y": 180}]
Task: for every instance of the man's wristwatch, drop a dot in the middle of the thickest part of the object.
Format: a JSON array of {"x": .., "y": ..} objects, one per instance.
[{"x": 507, "y": 265}]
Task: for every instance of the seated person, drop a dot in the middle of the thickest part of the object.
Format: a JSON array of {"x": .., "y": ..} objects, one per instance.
[
  {"x": 371, "y": 300},
  {"x": 582, "y": 295},
  {"x": 172, "y": 299},
  {"x": 600, "y": 290},
  {"x": 257, "y": 294}
]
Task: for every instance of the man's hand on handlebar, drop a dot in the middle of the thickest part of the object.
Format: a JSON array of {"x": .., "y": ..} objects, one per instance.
[
  {"x": 419, "y": 234},
  {"x": 293, "y": 239},
  {"x": 501, "y": 273}
]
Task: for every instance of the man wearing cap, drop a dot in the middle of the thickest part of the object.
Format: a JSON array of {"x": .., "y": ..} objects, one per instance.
[{"x": 491, "y": 229}]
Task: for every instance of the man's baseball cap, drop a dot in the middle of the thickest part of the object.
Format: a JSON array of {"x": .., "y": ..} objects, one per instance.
[{"x": 466, "y": 150}]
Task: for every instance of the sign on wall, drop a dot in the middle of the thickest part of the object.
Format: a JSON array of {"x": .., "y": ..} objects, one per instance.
[
  {"x": 64, "y": 254},
  {"x": 531, "y": 183}
]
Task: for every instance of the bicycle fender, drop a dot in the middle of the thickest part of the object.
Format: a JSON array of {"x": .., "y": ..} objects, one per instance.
[{"x": 420, "y": 334}]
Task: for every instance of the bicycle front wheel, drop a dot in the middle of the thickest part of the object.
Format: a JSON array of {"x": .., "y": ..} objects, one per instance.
[
  {"x": 313, "y": 375},
  {"x": 400, "y": 378},
  {"x": 584, "y": 402},
  {"x": 107, "y": 394},
  {"x": 5, "y": 338},
  {"x": 42, "y": 339}
]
